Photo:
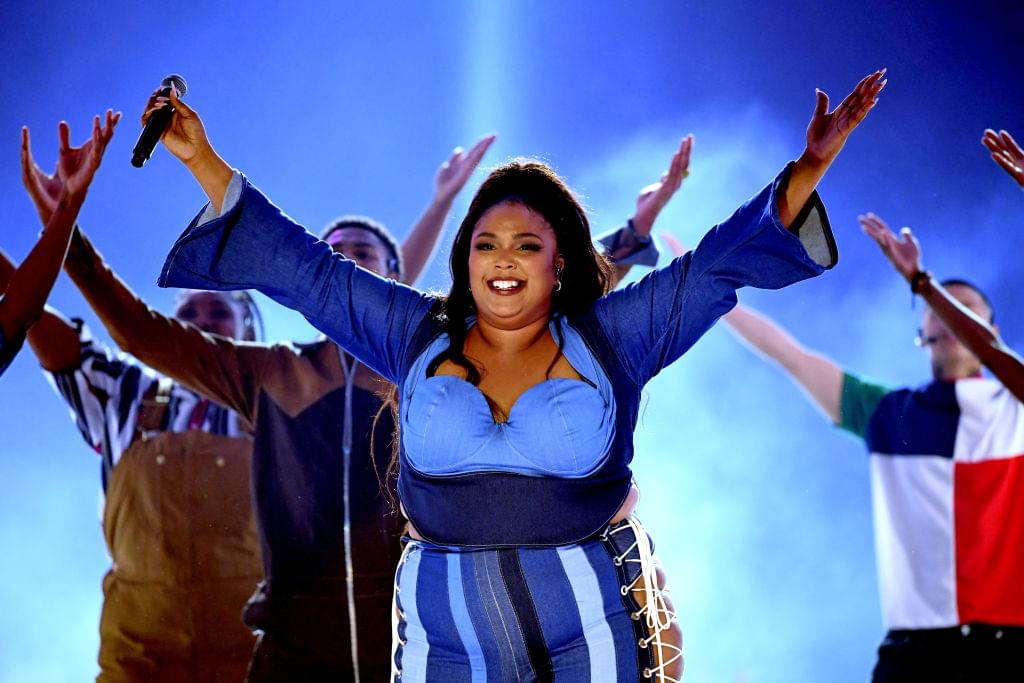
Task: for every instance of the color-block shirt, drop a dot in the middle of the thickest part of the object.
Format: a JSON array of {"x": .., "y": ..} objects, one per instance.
[{"x": 947, "y": 476}]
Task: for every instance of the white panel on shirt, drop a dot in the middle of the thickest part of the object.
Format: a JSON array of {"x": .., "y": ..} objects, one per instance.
[
  {"x": 991, "y": 421},
  {"x": 913, "y": 513}
]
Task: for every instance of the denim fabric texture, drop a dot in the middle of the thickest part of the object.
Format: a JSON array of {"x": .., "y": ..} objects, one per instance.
[
  {"x": 526, "y": 614},
  {"x": 559, "y": 427},
  {"x": 631, "y": 333}
]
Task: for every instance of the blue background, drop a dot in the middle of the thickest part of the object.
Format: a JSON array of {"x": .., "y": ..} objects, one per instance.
[{"x": 760, "y": 510}]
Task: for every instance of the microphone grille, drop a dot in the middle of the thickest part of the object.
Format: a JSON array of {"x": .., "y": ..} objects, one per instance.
[{"x": 178, "y": 82}]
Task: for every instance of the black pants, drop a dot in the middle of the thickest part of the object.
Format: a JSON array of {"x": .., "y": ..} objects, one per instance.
[
  {"x": 305, "y": 638},
  {"x": 975, "y": 653}
]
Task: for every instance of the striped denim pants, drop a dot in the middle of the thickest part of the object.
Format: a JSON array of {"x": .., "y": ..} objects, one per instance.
[{"x": 569, "y": 613}]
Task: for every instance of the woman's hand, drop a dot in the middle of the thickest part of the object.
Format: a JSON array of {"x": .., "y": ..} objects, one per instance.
[
  {"x": 826, "y": 135},
  {"x": 1006, "y": 152},
  {"x": 184, "y": 136},
  {"x": 186, "y": 139},
  {"x": 76, "y": 166},
  {"x": 655, "y": 196},
  {"x": 454, "y": 173},
  {"x": 43, "y": 188},
  {"x": 904, "y": 252},
  {"x": 827, "y": 132}
]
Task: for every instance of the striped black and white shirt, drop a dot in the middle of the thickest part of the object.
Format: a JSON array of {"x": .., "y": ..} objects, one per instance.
[{"x": 105, "y": 393}]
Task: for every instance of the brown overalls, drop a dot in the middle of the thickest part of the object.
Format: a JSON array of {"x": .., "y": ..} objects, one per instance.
[{"x": 179, "y": 527}]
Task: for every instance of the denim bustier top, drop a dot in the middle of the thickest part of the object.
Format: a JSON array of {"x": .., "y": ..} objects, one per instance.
[
  {"x": 559, "y": 427},
  {"x": 558, "y": 470}
]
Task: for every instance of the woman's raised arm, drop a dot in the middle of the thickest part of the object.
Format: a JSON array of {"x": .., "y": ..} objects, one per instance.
[
  {"x": 249, "y": 243},
  {"x": 826, "y": 134}
]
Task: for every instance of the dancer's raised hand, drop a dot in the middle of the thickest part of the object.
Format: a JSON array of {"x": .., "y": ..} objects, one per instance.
[
  {"x": 1005, "y": 152},
  {"x": 903, "y": 252},
  {"x": 655, "y": 196}
]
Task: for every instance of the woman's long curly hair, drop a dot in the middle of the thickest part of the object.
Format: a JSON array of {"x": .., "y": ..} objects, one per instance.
[{"x": 586, "y": 274}]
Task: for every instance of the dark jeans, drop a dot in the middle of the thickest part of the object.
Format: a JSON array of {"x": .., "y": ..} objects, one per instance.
[{"x": 974, "y": 653}]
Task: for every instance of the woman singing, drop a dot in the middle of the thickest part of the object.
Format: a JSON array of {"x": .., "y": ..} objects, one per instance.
[{"x": 518, "y": 393}]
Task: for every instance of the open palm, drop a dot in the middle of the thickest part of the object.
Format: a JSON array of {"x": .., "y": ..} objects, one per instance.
[
  {"x": 904, "y": 252},
  {"x": 454, "y": 173},
  {"x": 76, "y": 166},
  {"x": 1006, "y": 152},
  {"x": 827, "y": 132},
  {"x": 654, "y": 197},
  {"x": 43, "y": 188}
]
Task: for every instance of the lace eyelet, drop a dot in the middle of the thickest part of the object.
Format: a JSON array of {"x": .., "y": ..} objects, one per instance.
[{"x": 648, "y": 673}]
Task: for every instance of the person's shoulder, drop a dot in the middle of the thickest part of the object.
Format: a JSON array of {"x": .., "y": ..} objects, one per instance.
[{"x": 982, "y": 389}]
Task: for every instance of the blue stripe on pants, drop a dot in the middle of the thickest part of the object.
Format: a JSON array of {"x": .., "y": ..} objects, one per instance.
[
  {"x": 461, "y": 620},
  {"x": 497, "y": 670},
  {"x": 558, "y": 613},
  {"x": 412, "y": 657},
  {"x": 590, "y": 603},
  {"x": 616, "y": 615},
  {"x": 447, "y": 659},
  {"x": 515, "y": 662},
  {"x": 460, "y": 614}
]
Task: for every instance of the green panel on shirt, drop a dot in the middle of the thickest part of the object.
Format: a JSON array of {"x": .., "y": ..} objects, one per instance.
[{"x": 858, "y": 401}]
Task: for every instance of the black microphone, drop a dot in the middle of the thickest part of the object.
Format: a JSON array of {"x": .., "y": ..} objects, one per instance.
[{"x": 157, "y": 122}]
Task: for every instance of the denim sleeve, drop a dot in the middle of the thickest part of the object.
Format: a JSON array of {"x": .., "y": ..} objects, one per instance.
[
  {"x": 254, "y": 245},
  {"x": 655, "y": 320},
  {"x": 624, "y": 249}
]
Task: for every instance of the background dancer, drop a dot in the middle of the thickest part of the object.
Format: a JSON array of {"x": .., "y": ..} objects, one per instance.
[
  {"x": 524, "y": 268},
  {"x": 945, "y": 461},
  {"x": 175, "y": 479}
]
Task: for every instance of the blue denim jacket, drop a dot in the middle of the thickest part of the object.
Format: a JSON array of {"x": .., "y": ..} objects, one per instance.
[{"x": 632, "y": 333}]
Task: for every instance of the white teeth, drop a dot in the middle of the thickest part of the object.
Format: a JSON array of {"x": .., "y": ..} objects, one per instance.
[{"x": 505, "y": 284}]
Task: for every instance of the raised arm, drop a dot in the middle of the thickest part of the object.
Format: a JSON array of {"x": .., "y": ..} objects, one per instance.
[
  {"x": 418, "y": 247},
  {"x": 252, "y": 244},
  {"x": 649, "y": 203},
  {"x": 819, "y": 376},
  {"x": 826, "y": 135},
  {"x": 228, "y": 371},
  {"x": 185, "y": 137},
  {"x": 222, "y": 369},
  {"x": 1006, "y": 153},
  {"x": 53, "y": 339},
  {"x": 976, "y": 334},
  {"x": 29, "y": 285}
]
